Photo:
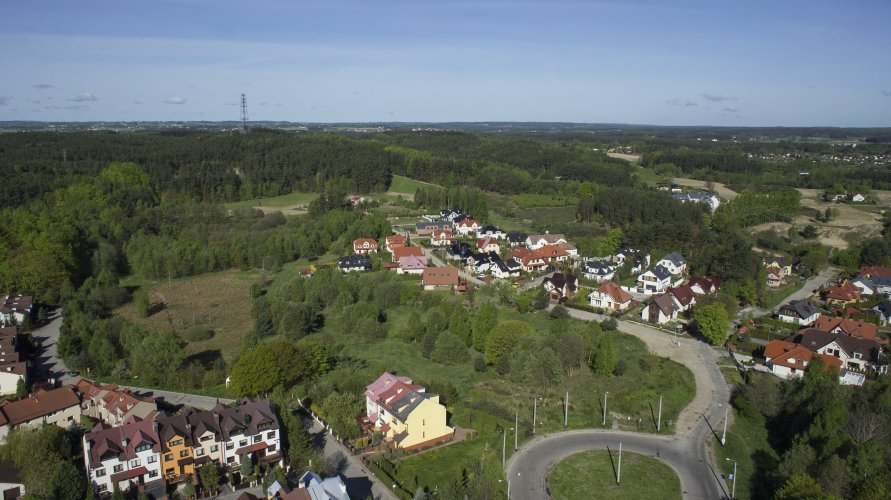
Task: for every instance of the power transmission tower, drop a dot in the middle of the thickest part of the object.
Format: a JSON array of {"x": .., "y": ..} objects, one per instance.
[{"x": 244, "y": 114}]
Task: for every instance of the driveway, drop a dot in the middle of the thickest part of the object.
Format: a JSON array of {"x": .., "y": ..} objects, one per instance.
[
  {"x": 48, "y": 362},
  {"x": 360, "y": 482},
  {"x": 686, "y": 452}
]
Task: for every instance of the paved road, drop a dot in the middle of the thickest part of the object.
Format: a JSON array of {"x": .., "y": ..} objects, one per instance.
[
  {"x": 359, "y": 481},
  {"x": 686, "y": 452},
  {"x": 809, "y": 288}
]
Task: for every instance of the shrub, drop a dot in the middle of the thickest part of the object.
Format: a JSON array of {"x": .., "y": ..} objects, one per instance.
[{"x": 198, "y": 334}]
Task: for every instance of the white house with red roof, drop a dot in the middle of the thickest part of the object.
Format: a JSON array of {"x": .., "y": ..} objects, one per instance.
[
  {"x": 412, "y": 264},
  {"x": 789, "y": 360},
  {"x": 487, "y": 244},
  {"x": 112, "y": 404},
  {"x": 467, "y": 227},
  {"x": 123, "y": 456},
  {"x": 442, "y": 237},
  {"x": 364, "y": 246},
  {"x": 611, "y": 296}
]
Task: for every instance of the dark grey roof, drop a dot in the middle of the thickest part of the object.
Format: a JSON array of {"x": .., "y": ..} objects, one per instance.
[
  {"x": 516, "y": 236},
  {"x": 513, "y": 264},
  {"x": 460, "y": 249},
  {"x": 815, "y": 340},
  {"x": 598, "y": 267},
  {"x": 881, "y": 281},
  {"x": 489, "y": 230},
  {"x": 435, "y": 224},
  {"x": 353, "y": 261},
  {"x": 664, "y": 302},
  {"x": 661, "y": 273},
  {"x": 675, "y": 258},
  {"x": 403, "y": 407},
  {"x": 884, "y": 308},
  {"x": 559, "y": 280},
  {"x": 801, "y": 308}
]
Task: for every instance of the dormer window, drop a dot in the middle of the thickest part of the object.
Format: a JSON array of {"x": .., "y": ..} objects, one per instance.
[{"x": 857, "y": 355}]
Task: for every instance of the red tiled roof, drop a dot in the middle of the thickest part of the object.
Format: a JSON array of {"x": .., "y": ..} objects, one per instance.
[
  {"x": 400, "y": 252},
  {"x": 615, "y": 292},
  {"x": 873, "y": 271},
  {"x": 783, "y": 353},
  {"x": 683, "y": 294},
  {"x": 39, "y": 404},
  {"x": 440, "y": 276},
  {"x": 847, "y": 326},
  {"x": 846, "y": 292}
]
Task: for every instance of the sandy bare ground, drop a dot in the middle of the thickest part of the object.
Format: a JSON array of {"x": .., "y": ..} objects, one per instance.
[
  {"x": 299, "y": 209},
  {"x": 848, "y": 222},
  {"x": 626, "y": 157},
  {"x": 722, "y": 190}
]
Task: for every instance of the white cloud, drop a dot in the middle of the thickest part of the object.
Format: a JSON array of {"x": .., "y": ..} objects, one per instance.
[
  {"x": 175, "y": 100},
  {"x": 716, "y": 98},
  {"x": 84, "y": 97}
]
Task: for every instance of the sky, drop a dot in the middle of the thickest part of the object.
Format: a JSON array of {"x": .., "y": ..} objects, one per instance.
[{"x": 679, "y": 62}]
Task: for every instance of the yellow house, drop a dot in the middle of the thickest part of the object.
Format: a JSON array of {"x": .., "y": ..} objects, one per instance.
[
  {"x": 177, "y": 458},
  {"x": 779, "y": 262},
  {"x": 408, "y": 416}
]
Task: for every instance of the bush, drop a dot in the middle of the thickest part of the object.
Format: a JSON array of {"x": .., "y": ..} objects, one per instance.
[
  {"x": 609, "y": 324},
  {"x": 141, "y": 301},
  {"x": 479, "y": 363},
  {"x": 198, "y": 334}
]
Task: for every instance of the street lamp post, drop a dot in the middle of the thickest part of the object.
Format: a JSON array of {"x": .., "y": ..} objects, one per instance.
[
  {"x": 733, "y": 480},
  {"x": 605, "y": 395}
]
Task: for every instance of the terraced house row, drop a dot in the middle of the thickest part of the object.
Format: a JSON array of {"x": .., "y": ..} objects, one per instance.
[{"x": 144, "y": 454}]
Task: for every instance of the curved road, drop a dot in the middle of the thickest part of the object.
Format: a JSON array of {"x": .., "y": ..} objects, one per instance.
[{"x": 686, "y": 452}]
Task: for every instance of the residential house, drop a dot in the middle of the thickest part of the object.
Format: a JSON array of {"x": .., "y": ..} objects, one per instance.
[
  {"x": 15, "y": 308},
  {"x": 516, "y": 238},
  {"x": 123, "y": 457},
  {"x": 848, "y": 326},
  {"x": 412, "y": 264},
  {"x": 856, "y": 197},
  {"x": 775, "y": 276},
  {"x": 654, "y": 281},
  {"x": 800, "y": 312},
  {"x": 330, "y": 488},
  {"x": 351, "y": 263},
  {"x": 364, "y": 246},
  {"x": 483, "y": 262},
  {"x": 111, "y": 404},
  {"x": 704, "y": 286},
  {"x": 506, "y": 268},
  {"x": 883, "y": 310},
  {"x": 459, "y": 251},
  {"x": 12, "y": 366},
  {"x": 487, "y": 244},
  {"x": 623, "y": 254},
  {"x": 451, "y": 215},
  {"x": 11, "y": 484},
  {"x": 611, "y": 296},
  {"x": 539, "y": 259},
  {"x": 560, "y": 287},
  {"x": 865, "y": 285},
  {"x": 59, "y": 407},
  {"x": 674, "y": 263},
  {"x": 882, "y": 285},
  {"x": 396, "y": 240},
  {"x": 683, "y": 297},
  {"x": 491, "y": 232},
  {"x": 874, "y": 272},
  {"x": 401, "y": 252},
  {"x": 442, "y": 237},
  {"x": 780, "y": 262},
  {"x": 440, "y": 278},
  {"x": 842, "y": 295},
  {"x": 855, "y": 353},
  {"x": 660, "y": 310},
  {"x": 467, "y": 227},
  {"x": 789, "y": 360},
  {"x": 569, "y": 248},
  {"x": 536, "y": 241},
  {"x": 177, "y": 445},
  {"x": 409, "y": 416},
  {"x": 357, "y": 199},
  {"x": 710, "y": 200},
  {"x": 426, "y": 228},
  {"x": 598, "y": 270}
]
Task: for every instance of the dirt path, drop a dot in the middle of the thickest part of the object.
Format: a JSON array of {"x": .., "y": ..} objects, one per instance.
[
  {"x": 626, "y": 157},
  {"x": 722, "y": 190}
]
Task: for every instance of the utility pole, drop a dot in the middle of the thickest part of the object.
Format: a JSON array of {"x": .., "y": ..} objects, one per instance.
[
  {"x": 244, "y": 114},
  {"x": 508, "y": 488},
  {"x": 503, "y": 448},
  {"x": 534, "y": 412},
  {"x": 566, "y": 410},
  {"x": 605, "y": 395},
  {"x": 619, "y": 469},
  {"x": 516, "y": 428},
  {"x": 733, "y": 484},
  {"x": 724, "y": 435},
  {"x": 659, "y": 420}
]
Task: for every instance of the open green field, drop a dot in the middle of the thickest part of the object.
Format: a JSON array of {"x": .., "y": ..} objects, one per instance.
[
  {"x": 401, "y": 184},
  {"x": 527, "y": 200},
  {"x": 592, "y": 475},
  {"x": 285, "y": 200},
  {"x": 747, "y": 444}
]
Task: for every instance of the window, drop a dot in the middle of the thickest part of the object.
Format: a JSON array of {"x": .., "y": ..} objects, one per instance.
[
  {"x": 184, "y": 453},
  {"x": 857, "y": 355},
  {"x": 153, "y": 473},
  {"x": 206, "y": 438},
  {"x": 170, "y": 472},
  {"x": 176, "y": 442},
  {"x": 152, "y": 459},
  {"x": 214, "y": 448},
  {"x": 168, "y": 457},
  {"x": 103, "y": 487},
  {"x": 230, "y": 460},
  {"x": 229, "y": 446},
  {"x": 257, "y": 438},
  {"x": 143, "y": 447},
  {"x": 118, "y": 468},
  {"x": 271, "y": 448},
  {"x": 270, "y": 435},
  {"x": 243, "y": 442},
  {"x": 134, "y": 462},
  {"x": 199, "y": 452},
  {"x": 100, "y": 472}
]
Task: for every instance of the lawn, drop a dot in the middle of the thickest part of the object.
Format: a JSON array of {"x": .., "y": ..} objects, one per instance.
[
  {"x": 775, "y": 297},
  {"x": 528, "y": 200},
  {"x": 285, "y": 200},
  {"x": 747, "y": 443},
  {"x": 217, "y": 301},
  {"x": 580, "y": 475},
  {"x": 408, "y": 186}
]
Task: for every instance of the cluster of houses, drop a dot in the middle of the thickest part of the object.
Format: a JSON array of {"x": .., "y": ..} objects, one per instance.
[
  {"x": 13, "y": 367},
  {"x": 710, "y": 200},
  {"x": 15, "y": 309},
  {"x": 406, "y": 414},
  {"x": 850, "y": 346}
]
